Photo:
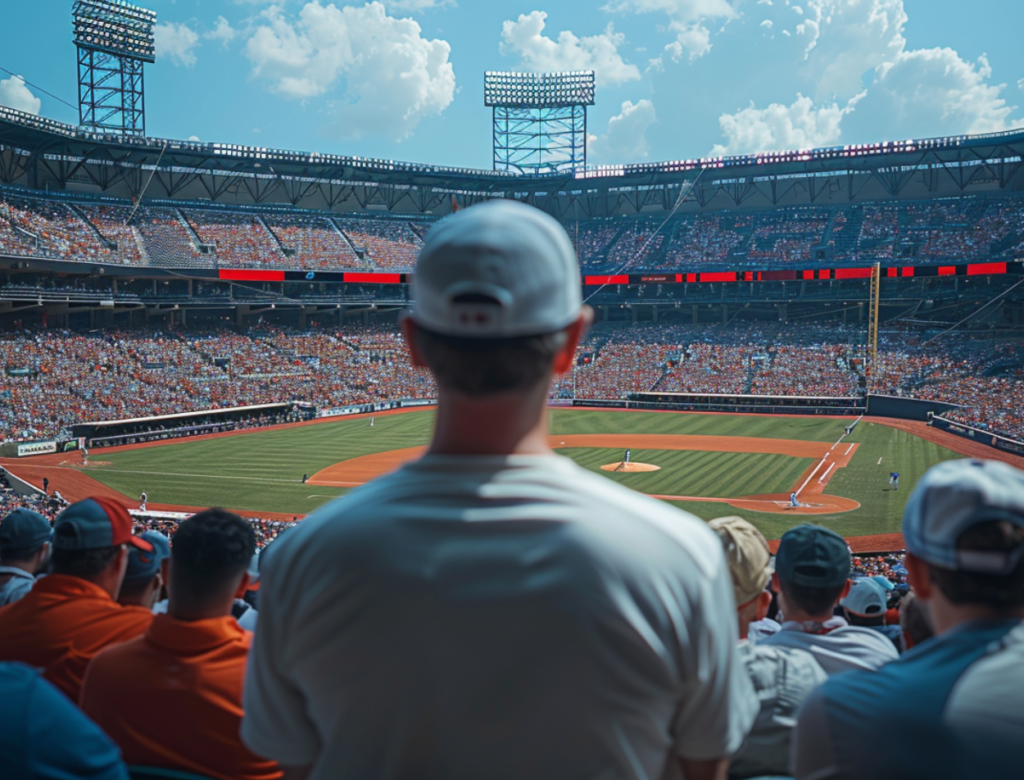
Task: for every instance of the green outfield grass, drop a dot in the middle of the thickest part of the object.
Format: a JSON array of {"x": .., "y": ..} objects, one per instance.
[{"x": 262, "y": 471}]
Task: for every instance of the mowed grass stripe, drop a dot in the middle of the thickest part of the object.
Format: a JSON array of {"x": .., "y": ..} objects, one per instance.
[{"x": 692, "y": 473}]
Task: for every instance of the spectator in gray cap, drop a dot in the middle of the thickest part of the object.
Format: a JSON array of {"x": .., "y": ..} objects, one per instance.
[
  {"x": 146, "y": 574},
  {"x": 955, "y": 700},
  {"x": 24, "y": 552}
]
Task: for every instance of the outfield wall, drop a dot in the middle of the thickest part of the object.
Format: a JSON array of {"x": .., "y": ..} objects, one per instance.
[
  {"x": 977, "y": 434},
  {"x": 906, "y": 408}
]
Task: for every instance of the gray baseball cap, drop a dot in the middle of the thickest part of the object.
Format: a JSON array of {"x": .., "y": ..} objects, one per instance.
[
  {"x": 954, "y": 496},
  {"x": 500, "y": 269}
]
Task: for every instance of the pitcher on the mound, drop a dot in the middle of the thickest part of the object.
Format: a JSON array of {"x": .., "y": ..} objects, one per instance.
[{"x": 625, "y": 458}]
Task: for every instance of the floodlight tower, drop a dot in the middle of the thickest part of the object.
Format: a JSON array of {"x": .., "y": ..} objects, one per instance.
[
  {"x": 114, "y": 40},
  {"x": 540, "y": 119}
]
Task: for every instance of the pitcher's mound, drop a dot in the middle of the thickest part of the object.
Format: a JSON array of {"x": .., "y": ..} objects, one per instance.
[{"x": 630, "y": 467}]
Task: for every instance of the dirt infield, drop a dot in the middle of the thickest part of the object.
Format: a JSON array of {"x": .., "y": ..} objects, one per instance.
[{"x": 813, "y": 500}]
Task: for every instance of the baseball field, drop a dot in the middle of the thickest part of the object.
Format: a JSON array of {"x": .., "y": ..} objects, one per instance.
[{"x": 707, "y": 464}]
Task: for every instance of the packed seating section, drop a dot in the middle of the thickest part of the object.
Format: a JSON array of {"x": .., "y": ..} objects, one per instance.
[
  {"x": 53, "y": 379},
  {"x": 941, "y": 231}
]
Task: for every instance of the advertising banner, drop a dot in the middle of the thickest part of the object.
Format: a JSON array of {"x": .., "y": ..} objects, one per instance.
[{"x": 37, "y": 448}]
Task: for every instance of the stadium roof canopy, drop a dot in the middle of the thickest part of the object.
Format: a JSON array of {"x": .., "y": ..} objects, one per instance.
[{"x": 43, "y": 154}]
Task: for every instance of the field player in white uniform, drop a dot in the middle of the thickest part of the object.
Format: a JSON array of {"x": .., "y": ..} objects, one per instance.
[{"x": 492, "y": 610}]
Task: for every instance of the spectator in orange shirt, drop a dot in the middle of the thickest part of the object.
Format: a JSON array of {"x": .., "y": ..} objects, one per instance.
[
  {"x": 172, "y": 698},
  {"x": 72, "y": 614}
]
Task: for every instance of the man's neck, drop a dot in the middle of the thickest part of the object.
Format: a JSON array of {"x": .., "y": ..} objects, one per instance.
[
  {"x": 25, "y": 566},
  {"x": 190, "y": 613},
  {"x": 947, "y": 616},
  {"x": 504, "y": 424}
]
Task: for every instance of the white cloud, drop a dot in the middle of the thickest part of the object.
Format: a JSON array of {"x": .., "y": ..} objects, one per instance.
[
  {"x": 1020, "y": 84},
  {"x": 193, "y": 138},
  {"x": 625, "y": 140},
  {"x": 600, "y": 53},
  {"x": 176, "y": 41},
  {"x": 693, "y": 39},
  {"x": 934, "y": 92},
  {"x": 800, "y": 125},
  {"x": 388, "y": 76},
  {"x": 846, "y": 39},
  {"x": 682, "y": 10},
  {"x": 687, "y": 20},
  {"x": 416, "y": 6},
  {"x": 222, "y": 31},
  {"x": 767, "y": 23},
  {"x": 15, "y": 94}
]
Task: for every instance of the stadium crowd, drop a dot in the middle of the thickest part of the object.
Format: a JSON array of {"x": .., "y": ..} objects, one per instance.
[
  {"x": 53, "y": 379},
  {"x": 967, "y": 229},
  {"x": 491, "y": 609}
]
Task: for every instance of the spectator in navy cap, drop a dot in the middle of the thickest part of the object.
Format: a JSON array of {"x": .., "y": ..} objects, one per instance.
[
  {"x": 24, "y": 552},
  {"x": 954, "y": 700},
  {"x": 811, "y": 570},
  {"x": 146, "y": 574}
]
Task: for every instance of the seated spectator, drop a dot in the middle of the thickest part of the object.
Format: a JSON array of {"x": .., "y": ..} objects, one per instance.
[
  {"x": 782, "y": 676},
  {"x": 915, "y": 622},
  {"x": 951, "y": 707},
  {"x": 146, "y": 574},
  {"x": 24, "y": 552},
  {"x": 43, "y": 735},
  {"x": 811, "y": 570},
  {"x": 865, "y": 605},
  {"x": 71, "y": 615},
  {"x": 172, "y": 698}
]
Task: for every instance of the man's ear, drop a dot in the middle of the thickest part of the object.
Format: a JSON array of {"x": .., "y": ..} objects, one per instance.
[
  {"x": 243, "y": 586},
  {"x": 410, "y": 331},
  {"x": 917, "y": 577},
  {"x": 763, "y": 602},
  {"x": 566, "y": 357}
]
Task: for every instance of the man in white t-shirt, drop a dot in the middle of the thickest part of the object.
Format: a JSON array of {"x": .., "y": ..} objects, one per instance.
[{"x": 493, "y": 610}]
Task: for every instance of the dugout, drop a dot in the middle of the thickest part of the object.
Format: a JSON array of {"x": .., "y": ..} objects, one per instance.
[
  {"x": 111, "y": 433},
  {"x": 739, "y": 403}
]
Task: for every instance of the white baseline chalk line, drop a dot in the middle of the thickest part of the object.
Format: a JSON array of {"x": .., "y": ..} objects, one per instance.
[
  {"x": 848, "y": 450},
  {"x": 824, "y": 476},
  {"x": 811, "y": 476}
]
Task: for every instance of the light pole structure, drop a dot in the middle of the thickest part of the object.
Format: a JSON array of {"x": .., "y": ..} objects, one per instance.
[
  {"x": 539, "y": 119},
  {"x": 114, "y": 40}
]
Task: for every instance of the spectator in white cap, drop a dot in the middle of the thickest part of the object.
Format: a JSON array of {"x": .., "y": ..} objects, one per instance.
[
  {"x": 865, "y": 605},
  {"x": 955, "y": 700},
  {"x": 493, "y": 610},
  {"x": 782, "y": 676}
]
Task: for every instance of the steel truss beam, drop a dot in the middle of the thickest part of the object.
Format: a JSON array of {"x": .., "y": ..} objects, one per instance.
[{"x": 540, "y": 140}]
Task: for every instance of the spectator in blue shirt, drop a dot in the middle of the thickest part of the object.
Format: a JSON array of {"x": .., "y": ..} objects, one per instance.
[
  {"x": 43, "y": 736},
  {"x": 954, "y": 701}
]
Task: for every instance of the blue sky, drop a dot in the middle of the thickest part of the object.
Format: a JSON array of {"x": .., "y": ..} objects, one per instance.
[{"x": 403, "y": 79}]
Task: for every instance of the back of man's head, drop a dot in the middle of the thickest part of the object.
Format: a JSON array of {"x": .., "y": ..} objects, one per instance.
[
  {"x": 750, "y": 566},
  {"x": 90, "y": 538},
  {"x": 965, "y": 520},
  {"x": 812, "y": 565},
  {"x": 495, "y": 288},
  {"x": 209, "y": 559},
  {"x": 24, "y": 540},
  {"x": 865, "y": 604},
  {"x": 143, "y": 577}
]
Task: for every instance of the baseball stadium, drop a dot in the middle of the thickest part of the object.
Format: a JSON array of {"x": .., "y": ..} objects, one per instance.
[
  {"x": 791, "y": 337},
  {"x": 776, "y": 334}
]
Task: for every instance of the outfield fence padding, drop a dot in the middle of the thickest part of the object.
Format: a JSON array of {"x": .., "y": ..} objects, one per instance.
[{"x": 979, "y": 435}]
